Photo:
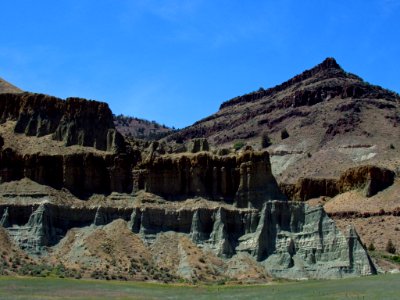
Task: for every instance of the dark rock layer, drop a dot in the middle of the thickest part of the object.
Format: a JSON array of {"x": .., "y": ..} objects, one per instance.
[
  {"x": 74, "y": 121},
  {"x": 83, "y": 174},
  {"x": 245, "y": 180},
  {"x": 368, "y": 179}
]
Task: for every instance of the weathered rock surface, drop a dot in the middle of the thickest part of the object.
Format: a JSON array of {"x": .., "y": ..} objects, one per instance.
[
  {"x": 288, "y": 239},
  {"x": 245, "y": 180},
  {"x": 368, "y": 179},
  {"x": 198, "y": 145},
  {"x": 74, "y": 121},
  {"x": 81, "y": 173}
]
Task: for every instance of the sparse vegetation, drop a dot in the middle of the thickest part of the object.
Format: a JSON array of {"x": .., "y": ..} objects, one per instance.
[
  {"x": 372, "y": 287},
  {"x": 390, "y": 247},
  {"x": 284, "y": 134},
  {"x": 141, "y": 129},
  {"x": 371, "y": 247},
  {"x": 239, "y": 145},
  {"x": 265, "y": 140}
]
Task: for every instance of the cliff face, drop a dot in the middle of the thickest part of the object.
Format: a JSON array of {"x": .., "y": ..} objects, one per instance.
[
  {"x": 288, "y": 239},
  {"x": 368, "y": 179},
  {"x": 83, "y": 174},
  {"x": 245, "y": 180},
  {"x": 74, "y": 121}
]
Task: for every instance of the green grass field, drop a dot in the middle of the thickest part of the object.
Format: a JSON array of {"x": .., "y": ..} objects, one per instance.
[{"x": 373, "y": 287}]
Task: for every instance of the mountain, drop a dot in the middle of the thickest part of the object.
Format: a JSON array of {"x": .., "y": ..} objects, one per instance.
[
  {"x": 80, "y": 199},
  {"x": 6, "y": 87},
  {"x": 320, "y": 123}
]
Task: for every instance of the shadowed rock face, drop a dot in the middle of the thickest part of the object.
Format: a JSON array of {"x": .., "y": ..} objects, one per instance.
[
  {"x": 245, "y": 180},
  {"x": 74, "y": 121},
  {"x": 290, "y": 240},
  {"x": 83, "y": 174}
]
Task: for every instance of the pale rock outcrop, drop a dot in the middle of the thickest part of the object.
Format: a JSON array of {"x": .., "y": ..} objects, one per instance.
[
  {"x": 4, "y": 221},
  {"x": 297, "y": 241},
  {"x": 219, "y": 236},
  {"x": 289, "y": 239}
]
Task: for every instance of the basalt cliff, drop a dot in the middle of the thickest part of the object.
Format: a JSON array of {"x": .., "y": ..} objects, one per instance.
[{"x": 75, "y": 194}]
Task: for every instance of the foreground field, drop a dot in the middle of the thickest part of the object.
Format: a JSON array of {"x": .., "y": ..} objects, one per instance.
[{"x": 374, "y": 287}]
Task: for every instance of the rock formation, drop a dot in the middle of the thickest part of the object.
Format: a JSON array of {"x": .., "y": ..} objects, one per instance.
[
  {"x": 289, "y": 240},
  {"x": 368, "y": 179},
  {"x": 74, "y": 121},
  {"x": 198, "y": 145},
  {"x": 336, "y": 121},
  {"x": 244, "y": 180},
  {"x": 228, "y": 207}
]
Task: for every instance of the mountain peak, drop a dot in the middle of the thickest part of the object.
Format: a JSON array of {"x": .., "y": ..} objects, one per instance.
[
  {"x": 329, "y": 63},
  {"x": 328, "y": 68}
]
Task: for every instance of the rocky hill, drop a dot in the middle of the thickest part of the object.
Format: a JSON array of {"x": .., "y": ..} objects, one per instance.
[
  {"x": 137, "y": 128},
  {"x": 79, "y": 199},
  {"x": 6, "y": 87},
  {"x": 317, "y": 124}
]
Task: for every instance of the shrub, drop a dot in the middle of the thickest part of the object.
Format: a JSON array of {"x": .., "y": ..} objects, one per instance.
[
  {"x": 284, "y": 134},
  {"x": 239, "y": 145},
  {"x": 371, "y": 247},
  {"x": 265, "y": 140},
  {"x": 390, "y": 247}
]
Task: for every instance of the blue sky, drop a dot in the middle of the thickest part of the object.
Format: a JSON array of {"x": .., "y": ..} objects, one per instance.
[{"x": 176, "y": 61}]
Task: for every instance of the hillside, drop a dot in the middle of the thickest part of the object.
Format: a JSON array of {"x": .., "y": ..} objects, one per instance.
[
  {"x": 6, "y": 87},
  {"x": 320, "y": 123},
  {"x": 140, "y": 128}
]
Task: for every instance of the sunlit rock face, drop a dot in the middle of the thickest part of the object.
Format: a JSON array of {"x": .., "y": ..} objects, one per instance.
[{"x": 289, "y": 239}]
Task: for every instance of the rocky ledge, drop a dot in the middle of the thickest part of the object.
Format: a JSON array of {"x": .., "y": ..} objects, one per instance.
[{"x": 368, "y": 179}]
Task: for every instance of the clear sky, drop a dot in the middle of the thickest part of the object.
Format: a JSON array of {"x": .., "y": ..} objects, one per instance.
[{"x": 176, "y": 61}]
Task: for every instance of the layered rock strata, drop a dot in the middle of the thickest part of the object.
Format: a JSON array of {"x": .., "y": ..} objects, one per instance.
[
  {"x": 368, "y": 179},
  {"x": 83, "y": 174},
  {"x": 245, "y": 180},
  {"x": 74, "y": 121},
  {"x": 248, "y": 216},
  {"x": 288, "y": 239}
]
